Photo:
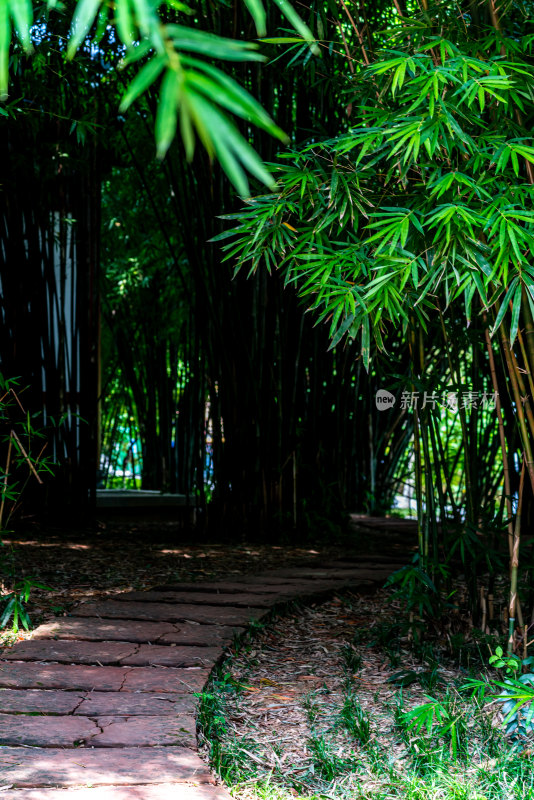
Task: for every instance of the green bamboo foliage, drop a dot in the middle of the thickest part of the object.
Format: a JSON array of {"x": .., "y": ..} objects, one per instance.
[
  {"x": 168, "y": 49},
  {"x": 420, "y": 211}
]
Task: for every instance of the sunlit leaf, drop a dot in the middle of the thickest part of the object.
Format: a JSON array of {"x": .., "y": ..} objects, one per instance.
[
  {"x": 22, "y": 12},
  {"x": 166, "y": 118},
  {"x": 5, "y": 40},
  {"x": 84, "y": 16},
  {"x": 144, "y": 78}
]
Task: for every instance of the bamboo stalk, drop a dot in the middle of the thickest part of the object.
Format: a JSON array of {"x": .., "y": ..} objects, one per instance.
[
  {"x": 463, "y": 424},
  {"x": 526, "y": 362},
  {"x": 523, "y": 391},
  {"x": 417, "y": 459},
  {"x": 514, "y": 565},
  {"x": 519, "y": 407},
  {"x": 502, "y": 439}
]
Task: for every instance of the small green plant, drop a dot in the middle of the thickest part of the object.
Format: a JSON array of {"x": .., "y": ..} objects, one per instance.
[
  {"x": 393, "y": 655},
  {"x": 352, "y": 658},
  {"x": 356, "y": 720},
  {"x": 15, "y": 601},
  {"x": 19, "y": 439},
  {"x": 311, "y": 707},
  {"x": 443, "y": 719},
  {"x": 416, "y": 589},
  {"x": 326, "y": 762},
  {"x": 510, "y": 663},
  {"x": 229, "y": 755},
  {"x": 515, "y": 692}
]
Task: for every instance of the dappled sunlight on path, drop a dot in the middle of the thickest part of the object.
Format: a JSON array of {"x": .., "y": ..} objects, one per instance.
[{"x": 100, "y": 705}]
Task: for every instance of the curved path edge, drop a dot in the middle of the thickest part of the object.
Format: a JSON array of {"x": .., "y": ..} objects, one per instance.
[{"x": 101, "y": 705}]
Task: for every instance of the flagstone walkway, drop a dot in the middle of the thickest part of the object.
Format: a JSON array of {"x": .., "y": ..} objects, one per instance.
[{"x": 100, "y": 705}]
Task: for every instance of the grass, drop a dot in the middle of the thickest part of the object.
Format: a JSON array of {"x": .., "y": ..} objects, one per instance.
[
  {"x": 426, "y": 741},
  {"x": 356, "y": 720}
]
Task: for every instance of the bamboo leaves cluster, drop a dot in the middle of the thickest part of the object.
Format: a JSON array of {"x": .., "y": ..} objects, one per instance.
[
  {"x": 421, "y": 210},
  {"x": 195, "y": 96}
]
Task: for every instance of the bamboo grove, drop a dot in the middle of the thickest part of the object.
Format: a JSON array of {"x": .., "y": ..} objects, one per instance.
[
  {"x": 385, "y": 248},
  {"x": 416, "y": 223}
]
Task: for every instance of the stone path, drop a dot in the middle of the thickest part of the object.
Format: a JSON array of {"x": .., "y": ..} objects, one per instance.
[{"x": 101, "y": 705}]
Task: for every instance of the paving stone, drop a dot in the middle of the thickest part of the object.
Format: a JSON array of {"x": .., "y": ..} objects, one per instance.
[
  {"x": 170, "y": 613},
  {"x": 205, "y": 635},
  {"x": 70, "y": 652},
  {"x": 277, "y": 588},
  {"x": 38, "y": 700},
  {"x": 165, "y": 679},
  {"x": 348, "y": 574},
  {"x": 45, "y": 731},
  {"x": 112, "y": 679},
  {"x": 193, "y": 633},
  {"x": 135, "y": 703},
  {"x": 378, "y": 562},
  {"x": 162, "y": 791},
  {"x": 228, "y": 587},
  {"x": 60, "y": 676},
  {"x": 283, "y": 591},
  {"x": 146, "y": 731},
  {"x": 296, "y": 583},
  {"x": 53, "y": 767},
  {"x": 103, "y": 630},
  {"x": 73, "y": 652},
  {"x": 201, "y": 598},
  {"x": 136, "y": 631},
  {"x": 135, "y": 706},
  {"x": 363, "y": 575},
  {"x": 166, "y": 656}
]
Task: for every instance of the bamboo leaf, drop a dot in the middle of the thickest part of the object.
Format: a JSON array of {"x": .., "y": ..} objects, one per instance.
[
  {"x": 186, "y": 129},
  {"x": 22, "y": 12},
  {"x": 144, "y": 78},
  {"x": 297, "y": 23},
  {"x": 166, "y": 116},
  {"x": 341, "y": 331},
  {"x": 366, "y": 342},
  {"x": 8, "y": 611},
  {"x": 5, "y": 40},
  {"x": 516, "y": 311},
  {"x": 84, "y": 16},
  {"x": 235, "y": 99},
  {"x": 146, "y": 17},
  {"x": 230, "y": 146},
  {"x": 257, "y": 12},
  {"x": 209, "y": 44},
  {"x": 282, "y": 40},
  {"x": 137, "y": 52},
  {"x": 504, "y": 305},
  {"x": 125, "y": 22}
]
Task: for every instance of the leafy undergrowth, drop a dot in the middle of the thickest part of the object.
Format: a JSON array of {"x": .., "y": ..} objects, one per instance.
[{"x": 337, "y": 701}]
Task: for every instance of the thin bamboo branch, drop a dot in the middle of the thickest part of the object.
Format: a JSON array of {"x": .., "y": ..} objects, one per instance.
[
  {"x": 26, "y": 456},
  {"x": 357, "y": 32},
  {"x": 6, "y": 475}
]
